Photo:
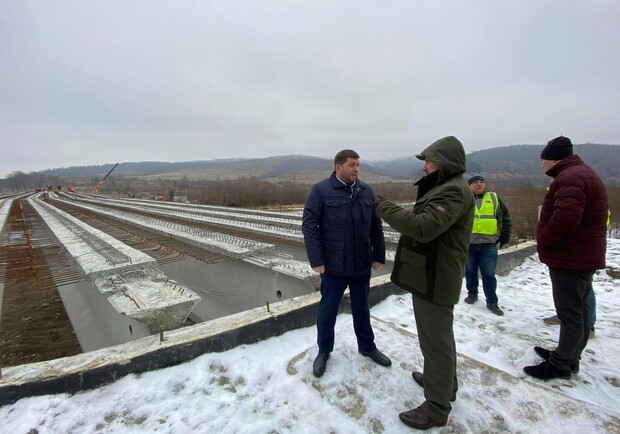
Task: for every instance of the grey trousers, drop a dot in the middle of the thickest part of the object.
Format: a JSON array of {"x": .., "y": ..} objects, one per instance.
[
  {"x": 434, "y": 323},
  {"x": 570, "y": 296}
]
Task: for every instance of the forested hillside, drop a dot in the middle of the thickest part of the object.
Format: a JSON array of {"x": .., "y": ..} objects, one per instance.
[{"x": 517, "y": 164}]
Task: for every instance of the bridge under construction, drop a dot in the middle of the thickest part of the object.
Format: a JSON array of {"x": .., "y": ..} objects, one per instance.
[
  {"x": 79, "y": 272},
  {"x": 94, "y": 288}
]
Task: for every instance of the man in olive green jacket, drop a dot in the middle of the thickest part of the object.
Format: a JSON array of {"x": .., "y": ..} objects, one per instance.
[{"x": 429, "y": 263}]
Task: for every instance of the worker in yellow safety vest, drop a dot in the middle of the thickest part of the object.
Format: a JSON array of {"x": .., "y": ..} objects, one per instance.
[{"x": 491, "y": 230}]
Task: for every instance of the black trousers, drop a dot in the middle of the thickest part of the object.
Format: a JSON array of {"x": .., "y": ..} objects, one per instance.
[{"x": 570, "y": 296}]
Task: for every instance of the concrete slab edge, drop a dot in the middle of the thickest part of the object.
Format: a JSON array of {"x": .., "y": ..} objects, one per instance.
[{"x": 97, "y": 368}]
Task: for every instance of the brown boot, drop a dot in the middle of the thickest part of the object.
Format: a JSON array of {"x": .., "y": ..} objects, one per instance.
[{"x": 416, "y": 418}]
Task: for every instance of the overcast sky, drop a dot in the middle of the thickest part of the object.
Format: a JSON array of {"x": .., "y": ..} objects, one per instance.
[{"x": 114, "y": 81}]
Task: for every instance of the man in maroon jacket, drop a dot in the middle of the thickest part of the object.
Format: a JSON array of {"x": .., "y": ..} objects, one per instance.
[{"x": 571, "y": 242}]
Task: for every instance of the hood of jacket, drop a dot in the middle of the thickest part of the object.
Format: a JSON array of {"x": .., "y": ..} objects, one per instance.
[{"x": 448, "y": 155}]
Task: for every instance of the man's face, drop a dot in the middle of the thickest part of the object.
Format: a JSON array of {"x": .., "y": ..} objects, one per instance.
[
  {"x": 348, "y": 171},
  {"x": 548, "y": 164},
  {"x": 477, "y": 187},
  {"x": 429, "y": 167}
]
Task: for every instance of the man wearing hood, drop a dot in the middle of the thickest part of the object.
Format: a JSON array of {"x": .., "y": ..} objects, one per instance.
[{"x": 429, "y": 263}]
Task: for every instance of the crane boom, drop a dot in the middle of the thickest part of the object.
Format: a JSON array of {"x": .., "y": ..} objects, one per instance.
[{"x": 100, "y": 183}]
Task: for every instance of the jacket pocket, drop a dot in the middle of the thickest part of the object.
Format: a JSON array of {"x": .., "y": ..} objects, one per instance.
[
  {"x": 412, "y": 270},
  {"x": 334, "y": 256},
  {"x": 368, "y": 207},
  {"x": 368, "y": 254},
  {"x": 335, "y": 212}
]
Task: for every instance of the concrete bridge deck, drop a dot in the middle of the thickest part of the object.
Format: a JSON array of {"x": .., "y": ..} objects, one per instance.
[{"x": 98, "y": 367}]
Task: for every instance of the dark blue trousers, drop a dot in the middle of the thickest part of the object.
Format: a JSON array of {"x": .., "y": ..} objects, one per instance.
[
  {"x": 483, "y": 257},
  {"x": 332, "y": 289}
]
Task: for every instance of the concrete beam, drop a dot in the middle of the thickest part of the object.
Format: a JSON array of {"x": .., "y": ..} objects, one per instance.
[{"x": 147, "y": 295}]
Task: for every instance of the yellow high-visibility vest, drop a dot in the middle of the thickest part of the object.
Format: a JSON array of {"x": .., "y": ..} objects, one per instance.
[{"x": 485, "y": 222}]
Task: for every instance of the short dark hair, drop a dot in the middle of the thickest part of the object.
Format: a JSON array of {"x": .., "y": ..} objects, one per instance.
[{"x": 342, "y": 156}]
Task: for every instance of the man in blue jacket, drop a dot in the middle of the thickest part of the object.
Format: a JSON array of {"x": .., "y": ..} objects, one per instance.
[{"x": 344, "y": 241}]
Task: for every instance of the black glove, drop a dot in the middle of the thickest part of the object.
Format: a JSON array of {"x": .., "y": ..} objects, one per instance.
[
  {"x": 502, "y": 243},
  {"x": 379, "y": 199}
]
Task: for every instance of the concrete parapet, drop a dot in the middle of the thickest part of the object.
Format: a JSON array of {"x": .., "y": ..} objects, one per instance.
[
  {"x": 513, "y": 256},
  {"x": 96, "y": 368}
]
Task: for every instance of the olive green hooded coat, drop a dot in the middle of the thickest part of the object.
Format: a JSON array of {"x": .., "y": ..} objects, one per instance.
[{"x": 432, "y": 250}]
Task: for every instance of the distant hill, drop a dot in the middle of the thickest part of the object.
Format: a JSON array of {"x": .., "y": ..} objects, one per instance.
[
  {"x": 298, "y": 168},
  {"x": 516, "y": 162},
  {"x": 525, "y": 159},
  {"x": 521, "y": 163}
]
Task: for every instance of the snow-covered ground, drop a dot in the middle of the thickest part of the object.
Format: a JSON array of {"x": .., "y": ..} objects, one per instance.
[{"x": 269, "y": 388}]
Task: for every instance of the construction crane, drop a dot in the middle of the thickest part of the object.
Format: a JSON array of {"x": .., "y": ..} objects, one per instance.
[{"x": 100, "y": 183}]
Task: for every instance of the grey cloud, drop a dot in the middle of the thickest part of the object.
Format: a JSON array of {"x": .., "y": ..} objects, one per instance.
[{"x": 102, "y": 82}]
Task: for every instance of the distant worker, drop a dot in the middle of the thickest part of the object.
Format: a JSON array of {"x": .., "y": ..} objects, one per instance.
[
  {"x": 429, "y": 263},
  {"x": 571, "y": 241},
  {"x": 492, "y": 227},
  {"x": 344, "y": 240}
]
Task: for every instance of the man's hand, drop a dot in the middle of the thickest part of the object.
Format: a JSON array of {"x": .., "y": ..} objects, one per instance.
[
  {"x": 320, "y": 269},
  {"x": 379, "y": 199},
  {"x": 376, "y": 265}
]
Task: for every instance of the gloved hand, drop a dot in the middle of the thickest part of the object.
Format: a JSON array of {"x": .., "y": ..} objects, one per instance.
[
  {"x": 379, "y": 199},
  {"x": 501, "y": 243}
]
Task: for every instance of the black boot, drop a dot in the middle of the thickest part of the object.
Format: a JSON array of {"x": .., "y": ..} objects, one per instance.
[
  {"x": 378, "y": 357},
  {"x": 319, "y": 365},
  {"x": 546, "y": 371},
  {"x": 545, "y": 354}
]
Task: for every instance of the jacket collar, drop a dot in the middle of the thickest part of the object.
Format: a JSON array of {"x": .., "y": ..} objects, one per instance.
[
  {"x": 427, "y": 182},
  {"x": 572, "y": 160},
  {"x": 336, "y": 183}
]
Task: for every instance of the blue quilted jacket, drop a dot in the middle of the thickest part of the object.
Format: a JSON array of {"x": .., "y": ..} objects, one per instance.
[{"x": 341, "y": 228}]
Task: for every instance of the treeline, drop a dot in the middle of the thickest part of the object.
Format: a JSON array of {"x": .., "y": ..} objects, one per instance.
[
  {"x": 521, "y": 200},
  {"x": 20, "y": 181},
  {"x": 243, "y": 192}
]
